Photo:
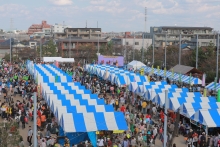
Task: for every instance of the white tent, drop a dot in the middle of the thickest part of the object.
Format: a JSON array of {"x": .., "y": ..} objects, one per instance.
[
  {"x": 135, "y": 65},
  {"x": 59, "y": 59}
]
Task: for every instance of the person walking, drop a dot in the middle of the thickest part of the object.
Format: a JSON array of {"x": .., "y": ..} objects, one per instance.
[
  {"x": 29, "y": 137},
  {"x": 22, "y": 119}
]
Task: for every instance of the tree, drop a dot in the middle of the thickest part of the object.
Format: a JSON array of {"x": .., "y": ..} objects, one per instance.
[
  {"x": 48, "y": 50},
  {"x": 9, "y": 134}
]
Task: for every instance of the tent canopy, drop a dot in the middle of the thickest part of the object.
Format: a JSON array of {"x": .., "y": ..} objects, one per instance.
[
  {"x": 135, "y": 65},
  {"x": 188, "y": 109},
  {"x": 209, "y": 118},
  {"x": 76, "y": 109}
]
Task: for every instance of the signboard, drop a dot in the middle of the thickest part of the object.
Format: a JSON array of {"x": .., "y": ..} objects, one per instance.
[{"x": 112, "y": 60}]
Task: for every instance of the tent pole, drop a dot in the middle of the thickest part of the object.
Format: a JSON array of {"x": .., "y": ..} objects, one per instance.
[
  {"x": 35, "y": 119},
  {"x": 165, "y": 120}
]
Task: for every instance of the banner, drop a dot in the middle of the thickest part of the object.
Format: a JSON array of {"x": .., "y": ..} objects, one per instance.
[
  {"x": 218, "y": 96},
  {"x": 92, "y": 137}
]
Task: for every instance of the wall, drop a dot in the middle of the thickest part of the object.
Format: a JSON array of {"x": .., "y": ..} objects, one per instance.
[{"x": 130, "y": 41}]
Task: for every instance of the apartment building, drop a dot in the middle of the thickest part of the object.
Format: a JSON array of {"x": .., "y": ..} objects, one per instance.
[
  {"x": 84, "y": 33},
  {"x": 135, "y": 41},
  {"x": 188, "y": 36},
  {"x": 35, "y": 29},
  {"x": 59, "y": 28},
  {"x": 79, "y": 48}
]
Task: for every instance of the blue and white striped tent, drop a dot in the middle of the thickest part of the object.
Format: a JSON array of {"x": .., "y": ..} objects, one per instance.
[
  {"x": 175, "y": 77},
  {"x": 213, "y": 86},
  {"x": 148, "y": 89},
  {"x": 188, "y": 109},
  {"x": 160, "y": 97},
  {"x": 84, "y": 110},
  {"x": 191, "y": 97},
  {"x": 126, "y": 79},
  {"x": 209, "y": 118}
]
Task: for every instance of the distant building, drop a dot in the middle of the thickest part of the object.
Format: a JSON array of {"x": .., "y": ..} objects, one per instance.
[
  {"x": 84, "y": 33},
  {"x": 32, "y": 44},
  {"x": 132, "y": 40},
  {"x": 40, "y": 29},
  {"x": 59, "y": 28},
  {"x": 71, "y": 47},
  {"x": 188, "y": 36}
]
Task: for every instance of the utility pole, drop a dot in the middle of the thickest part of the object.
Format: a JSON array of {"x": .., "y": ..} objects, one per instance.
[
  {"x": 125, "y": 56},
  {"x": 197, "y": 48},
  {"x": 133, "y": 45},
  {"x": 40, "y": 48},
  {"x": 98, "y": 36},
  {"x": 142, "y": 57},
  {"x": 10, "y": 39},
  {"x": 69, "y": 46},
  {"x": 153, "y": 48},
  {"x": 217, "y": 55},
  {"x": 180, "y": 50},
  {"x": 165, "y": 56}
]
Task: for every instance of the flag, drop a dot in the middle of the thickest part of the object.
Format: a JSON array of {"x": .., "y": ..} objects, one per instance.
[
  {"x": 158, "y": 69},
  {"x": 172, "y": 74},
  {"x": 204, "y": 93},
  {"x": 148, "y": 78},
  {"x": 203, "y": 79},
  {"x": 165, "y": 72},
  {"x": 180, "y": 77},
  {"x": 152, "y": 69},
  {"x": 56, "y": 78},
  {"x": 190, "y": 78},
  {"x": 37, "y": 78}
]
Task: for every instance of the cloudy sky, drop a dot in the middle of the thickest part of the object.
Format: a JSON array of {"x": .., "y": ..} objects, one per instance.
[{"x": 112, "y": 15}]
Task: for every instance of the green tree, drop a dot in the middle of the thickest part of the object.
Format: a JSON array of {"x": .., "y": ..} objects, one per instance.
[
  {"x": 48, "y": 50},
  {"x": 9, "y": 134}
]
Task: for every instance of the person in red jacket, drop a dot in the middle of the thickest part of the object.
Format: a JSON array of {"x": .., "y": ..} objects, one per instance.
[{"x": 122, "y": 108}]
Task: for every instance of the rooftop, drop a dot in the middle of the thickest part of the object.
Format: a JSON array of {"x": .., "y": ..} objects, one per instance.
[
  {"x": 181, "y": 27},
  {"x": 81, "y": 40}
]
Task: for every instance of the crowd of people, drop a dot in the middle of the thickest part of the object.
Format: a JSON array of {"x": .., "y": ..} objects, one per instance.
[{"x": 144, "y": 119}]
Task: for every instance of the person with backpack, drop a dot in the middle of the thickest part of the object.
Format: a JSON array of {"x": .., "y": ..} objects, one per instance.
[
  {"x": 17, "y": 119},
  {"x": 22, "y": 119},
  {"x": 203, "y": 140},
  {"x": 29, "y": 137}
]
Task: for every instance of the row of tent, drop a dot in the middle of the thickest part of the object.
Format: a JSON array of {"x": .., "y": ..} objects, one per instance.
[
  {"x": 193, "y": 105},
  {"x": 213, "y": 86},
  {"x": 115, "y": 75},
  {"x": 173, "y": 76},
  {"x": 75, "y": 107}
]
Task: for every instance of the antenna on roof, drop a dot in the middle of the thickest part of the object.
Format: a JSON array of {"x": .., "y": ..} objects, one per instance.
[
  {"x": 86, "y": 23},
  {"x": 145, "y": 19},
  {"x": 63, "y": 23}
]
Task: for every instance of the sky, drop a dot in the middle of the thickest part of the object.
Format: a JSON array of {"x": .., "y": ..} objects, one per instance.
[{"x": 111, "y": 15}]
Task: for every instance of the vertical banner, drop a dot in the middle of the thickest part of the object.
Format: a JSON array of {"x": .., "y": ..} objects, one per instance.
[
  {"x": 203, "y": 80},
  {"x": 93, "y": 138},
  {"x": 218, "y": 97},
  {"x": 190, "y": 79},
  {"x": 205, "y": 92}
]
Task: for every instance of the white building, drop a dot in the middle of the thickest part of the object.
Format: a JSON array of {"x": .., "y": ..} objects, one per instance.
[
  {"x": 59, "y": 28},
  {"x": 137, "y": 43}
]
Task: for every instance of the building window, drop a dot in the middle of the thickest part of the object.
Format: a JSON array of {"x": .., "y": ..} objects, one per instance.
[
  {"x": 127, "y": 43},
  {"x": 136, "y": 43}
]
